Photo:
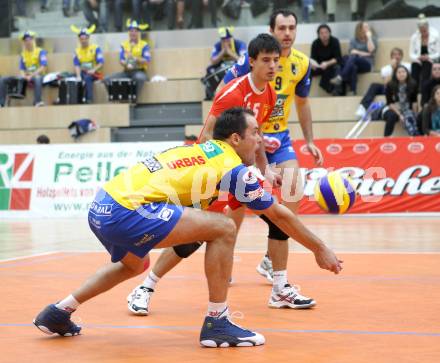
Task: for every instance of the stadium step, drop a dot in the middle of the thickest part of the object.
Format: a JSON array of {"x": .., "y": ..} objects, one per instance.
[
  {"x": 158, "y": 133},
  {"x": 166, "y": 114}
]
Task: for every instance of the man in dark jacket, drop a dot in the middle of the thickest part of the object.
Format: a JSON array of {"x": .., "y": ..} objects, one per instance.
[{"x": 326, "y": 58}]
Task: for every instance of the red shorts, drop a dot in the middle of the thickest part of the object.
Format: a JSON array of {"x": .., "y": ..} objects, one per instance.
[{"x": 219, "y": 205}]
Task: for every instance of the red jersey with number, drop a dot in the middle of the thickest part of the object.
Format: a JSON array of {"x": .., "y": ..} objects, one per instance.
[{"x": 243, "y": 93}]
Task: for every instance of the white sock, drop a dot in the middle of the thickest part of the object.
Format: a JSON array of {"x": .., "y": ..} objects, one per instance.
[
  {"x": 217, "y": 310},
  {"x": 279, "y": 280},
  {"x": 69, "y": 304},
  {"x": 151, "y": 280}
]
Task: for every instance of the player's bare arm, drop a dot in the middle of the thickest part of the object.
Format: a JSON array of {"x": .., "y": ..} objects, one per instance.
[
  {"x": 289, "y": 222},
  {"x": 305, "y": 120}
]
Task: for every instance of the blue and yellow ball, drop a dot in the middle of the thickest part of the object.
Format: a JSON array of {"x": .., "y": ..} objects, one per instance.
[{"x": 334, "y": 193}]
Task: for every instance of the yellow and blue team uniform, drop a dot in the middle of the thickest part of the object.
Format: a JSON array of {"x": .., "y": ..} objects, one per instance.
[
  {"x": 129, "y": 53},
  {"x": 30, "y": 61},
  {"x": 139, "y": 50},
  {"x": 138, "y": 208},
  {"x": 292, "y": 79},
  {"x": 87, "y": 59}
]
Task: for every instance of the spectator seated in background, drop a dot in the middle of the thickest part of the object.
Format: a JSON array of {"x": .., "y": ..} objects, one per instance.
[
  {"x": 330, "y": 7},
  {"x": 361, "y": 56},
  {"x": 176, "y": 13},
  {"x": 431, "y": 114},
  {"x": 401, "y": 95},
  {"x": 197, "y": 12},
  {"x": 2, "y": 91},
  {"x": 66, "y": 7},
  {"x": 429, "y": 84},
  {"x": 118, "y": 10},
  {"x": 424, "y": 49},
  {"x": 223, "y": 56},
  {"x": 102, "y": 7},
  {"x": 43, "y": 5},
  {"x": 32, "y": 65},
  {"x": 427, "y": 88},
  {"x": 308, "y": 8},
  {"x": 326, "y": 58},
  {"x": 88, "y": 60},
  {"x": 377, "y": 89},
  {"x": 145, "y": 11},
  {"x": 134, "y": 57}
]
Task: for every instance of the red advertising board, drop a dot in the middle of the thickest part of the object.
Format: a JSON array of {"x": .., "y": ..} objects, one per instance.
[{"x": 390, "y": 175}]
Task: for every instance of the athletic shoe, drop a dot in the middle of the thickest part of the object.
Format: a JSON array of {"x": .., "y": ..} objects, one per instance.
[
  {"x": 289, "y": 297},
  {"x": 139, "y": 300},
  {"x": 360, "y": 112},
  {"x": 265, "y": 269},
  {"x": 337, "y": 81},
  {"x": 53, "y": 320},
  {"x": 223, "y": 333}
]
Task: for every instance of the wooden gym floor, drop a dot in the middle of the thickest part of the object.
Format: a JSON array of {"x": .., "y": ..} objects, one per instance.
[{"x": 383, "y": 307}]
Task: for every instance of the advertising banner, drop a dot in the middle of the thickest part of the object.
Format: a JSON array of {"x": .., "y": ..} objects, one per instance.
[
  {"x": 390, "y": 175},
  {"x": 61, "y": 180}
]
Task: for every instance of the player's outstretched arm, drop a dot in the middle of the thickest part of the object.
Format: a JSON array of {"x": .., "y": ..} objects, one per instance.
[{"x": 290, "y": 224}]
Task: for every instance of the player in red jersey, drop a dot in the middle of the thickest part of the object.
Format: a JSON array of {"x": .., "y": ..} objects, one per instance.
[{"x": 251, "y": 91}]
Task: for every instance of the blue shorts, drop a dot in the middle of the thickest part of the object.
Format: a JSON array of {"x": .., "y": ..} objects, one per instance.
[
  {"x": 279, "y": 147},
  {"x": 122, "y": 230}
]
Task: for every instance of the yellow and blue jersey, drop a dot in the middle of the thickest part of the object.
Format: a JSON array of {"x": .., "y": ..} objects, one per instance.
[
  {"x": 87, "y": 58},
  {"x": 189, "y": 176},
  {"x": 139, "y": 50},
  {"x": 292, "y": 79},
  {"x": 30, "y": 61}
]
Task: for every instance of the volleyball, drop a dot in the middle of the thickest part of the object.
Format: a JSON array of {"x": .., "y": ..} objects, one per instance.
[{"x": 334, "y": 193}]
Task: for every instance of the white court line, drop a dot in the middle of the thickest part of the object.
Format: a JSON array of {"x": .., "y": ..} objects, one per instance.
[
  {"x": 29, "y": 256},
  {"x": 156, "y": 251},
  {"x": 349, "y": 252}
]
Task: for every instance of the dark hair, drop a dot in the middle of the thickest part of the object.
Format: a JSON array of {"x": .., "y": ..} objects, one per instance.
[
  {"x": 411, "y": 85},
  {"x": 432, "y": 105},
  {"x": 191, "y": 137},
  {"x": 283, "y": 12},
  {"x": 43, "y": 139},
  {"x": 396, "y": 49},
  {"x": 323, "y": 26},
  {"x": 230, "y": 122},
  {"x": 263, "y": 43}
]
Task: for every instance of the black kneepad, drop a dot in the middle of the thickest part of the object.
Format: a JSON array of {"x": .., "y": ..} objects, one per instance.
[
  {"x": 184, "y": 251},
  {"x": 274, "y": 231}
]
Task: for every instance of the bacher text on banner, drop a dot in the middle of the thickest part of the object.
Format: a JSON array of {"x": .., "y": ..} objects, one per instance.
[{"x": 391, "y": 175}]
